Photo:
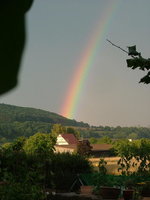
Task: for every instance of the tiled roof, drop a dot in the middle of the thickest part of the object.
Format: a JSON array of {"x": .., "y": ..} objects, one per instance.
[
  {"x": 70, "y": 138},
  {"x": 101, "y": 147},
  {"x": 72, "y": 146}
]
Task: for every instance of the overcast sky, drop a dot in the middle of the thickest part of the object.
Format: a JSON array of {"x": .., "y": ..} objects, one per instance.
[{"x": 58, "y": 34}]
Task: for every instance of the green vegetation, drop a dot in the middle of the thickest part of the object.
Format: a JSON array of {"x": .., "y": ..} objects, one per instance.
[
  {"x": 19, "y": 121},
  {"x": 133, "y": 154},
  {"x": 10, "y": 113},
  {"x": 102, "y": 140},
  {"x": 102, "y": 166},
  {"x": 29, "y": 166},
  {"x": 40, "y": 143},
  {"x": 105, "y": 134},
  {"x": 134, "y": 164},
  {"x": 59, "y": 129}
]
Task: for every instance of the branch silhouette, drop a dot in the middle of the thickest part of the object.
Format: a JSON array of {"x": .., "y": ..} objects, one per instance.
[{"x": 137, "y": 61}]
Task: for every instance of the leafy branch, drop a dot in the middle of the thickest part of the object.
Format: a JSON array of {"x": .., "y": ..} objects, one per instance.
[{"x": 137, "y": 61}]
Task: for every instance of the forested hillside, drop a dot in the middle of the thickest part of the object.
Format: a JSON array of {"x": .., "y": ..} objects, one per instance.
[
  {"x": 106, "y": 132},
  {"x": 11, "y": 113},
  {"x": 18, "y": 121}
]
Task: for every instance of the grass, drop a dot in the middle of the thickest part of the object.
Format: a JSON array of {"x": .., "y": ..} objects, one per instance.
[{"x": 112, "y": 166}]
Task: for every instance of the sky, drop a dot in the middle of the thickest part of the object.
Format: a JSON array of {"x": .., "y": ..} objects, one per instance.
[{"x": 59, "y": 33}]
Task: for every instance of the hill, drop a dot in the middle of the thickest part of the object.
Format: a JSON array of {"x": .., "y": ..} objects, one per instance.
[{"x": 17, "y": 121}]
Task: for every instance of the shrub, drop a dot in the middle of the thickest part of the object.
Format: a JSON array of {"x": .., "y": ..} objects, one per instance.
[
  {"x": 21, "y": 191},
  {"x": 102, "y": 166},
  {"x": 65, "y": 168}
]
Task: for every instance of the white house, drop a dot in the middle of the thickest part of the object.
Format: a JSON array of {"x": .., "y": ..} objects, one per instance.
[
  {"x": 66, "y": 143},
  {"x": 66, "y": 139}
]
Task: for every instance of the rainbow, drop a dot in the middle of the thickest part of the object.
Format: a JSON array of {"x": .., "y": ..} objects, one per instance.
[{"x": 86, "y": 62}]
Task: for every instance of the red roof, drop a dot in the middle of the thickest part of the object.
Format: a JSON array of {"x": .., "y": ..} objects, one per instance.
[
  {"x": 70, "y": 138},
  {"x": 70, "y": 146}
]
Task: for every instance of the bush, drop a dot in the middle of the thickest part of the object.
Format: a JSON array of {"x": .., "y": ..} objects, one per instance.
[
  {"x": 135, "y": 153},
  {"x": 102, "y": 166},
  {"x": 21, "y": 191},
  {"x": 42, "y": 169},
  {"x": 65, "y": 168}
]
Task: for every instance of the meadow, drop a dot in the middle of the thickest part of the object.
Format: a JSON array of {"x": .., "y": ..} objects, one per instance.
[{"x": 112, "y": 166}]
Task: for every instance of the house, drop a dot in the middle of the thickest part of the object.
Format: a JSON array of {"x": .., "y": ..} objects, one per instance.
[
  {"x": 66, "y": 139},
  {"x": 66, "y": 143},
  {"x": 65, "y": 148},
  {"x": 102, "y": 150}
]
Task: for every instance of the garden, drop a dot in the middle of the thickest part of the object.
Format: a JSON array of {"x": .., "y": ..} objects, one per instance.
[
  {"x": 133, "y": 181},
  {"x": 29, "y": 169}
]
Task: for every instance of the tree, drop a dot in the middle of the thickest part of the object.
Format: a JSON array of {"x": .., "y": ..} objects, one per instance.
[
  {"x": 102, "y": 166},
  {"x": 124, "y": 150},
  {"x": 104, "y": 140},
  {"x": 58, "y": 129},
  {"x": 15, "y": 146},
  {"x": 40, "y": 143},
  {"x": 18, "y": 144},
  {"x": 133, "y": 154},
  {"x": 93, "y": 140},
  {"x": 73, "y": 131},
  {"x": 84, "y": 147},
  {"x": 137, "y": 61},
  {"x": 142, "y": 156},
  {"x": 133, "y": 136}
]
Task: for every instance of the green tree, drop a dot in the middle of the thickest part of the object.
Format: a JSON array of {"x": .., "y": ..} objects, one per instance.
[
  {"x": 6, "y": 145},
  {"x": 133, "y": 136},
  {"x": 124, "y": 150},
  {"x": 104, "y": 140},
  {"x": 15, "y": 146},
  {"x": 142, "y": 156},
  {"x": 40, "y": 143},
  {"x": 139, "y": 150},
  {"x": 58, "y": 129},
  {"x": 102, "y": 166},
  {"x": 93, "y": 140},
  {"x": 73, "y": 131},
  {"x": 18, "y": 144}
]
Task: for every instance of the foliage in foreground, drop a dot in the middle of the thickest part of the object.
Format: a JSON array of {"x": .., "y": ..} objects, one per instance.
[
  {"x": 133, "y": 154},
  {"x": 21, "y": 191},
  {"x": 29, "y": 166}
]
